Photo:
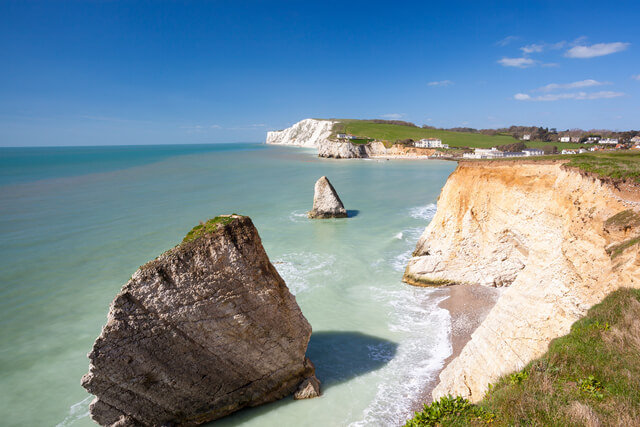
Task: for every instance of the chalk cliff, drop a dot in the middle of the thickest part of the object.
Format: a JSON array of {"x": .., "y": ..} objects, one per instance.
[
  {"x": 205, "y": 329},
  {"x": 313, "y": 133},
  {"x": 326, "y": 202},
  {"x": 560, "y": 240},
  {"x": 305, "y": 133}
]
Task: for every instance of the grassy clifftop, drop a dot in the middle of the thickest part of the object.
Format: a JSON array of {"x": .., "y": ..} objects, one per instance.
[
  {"x": 392, "y": 132},
  {"x": 589, "y": 377}
]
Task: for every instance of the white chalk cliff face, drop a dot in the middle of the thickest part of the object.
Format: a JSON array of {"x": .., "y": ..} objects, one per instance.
[
  {"x": 305, "y": 133},
  {"x": 314, "y": 133},
  {"x": 548, "y": 233}
]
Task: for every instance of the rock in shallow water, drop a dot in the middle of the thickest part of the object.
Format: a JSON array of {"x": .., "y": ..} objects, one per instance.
[
  {"x": 326, "y": 203},
  {"x": 205, "y": 329}
]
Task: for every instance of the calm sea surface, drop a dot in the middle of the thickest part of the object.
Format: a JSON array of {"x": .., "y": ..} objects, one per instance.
[{"x": 75, "y": 223}]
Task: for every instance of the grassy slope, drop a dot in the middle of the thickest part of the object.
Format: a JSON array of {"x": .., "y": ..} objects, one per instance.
[
  {"x": 391, "y": 133},
  {"x": 619, "y": 165},
  {"x": 588, "y": 377}
]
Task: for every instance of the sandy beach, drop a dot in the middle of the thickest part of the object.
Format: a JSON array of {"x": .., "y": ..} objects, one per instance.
[{"x": 468, "y": 306}]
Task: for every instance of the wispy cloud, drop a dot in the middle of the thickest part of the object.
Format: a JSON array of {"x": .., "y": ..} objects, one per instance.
[
  {"x": 575, "y": 85},
  {"x": 392, "y": 116},
  {"x": 505, "y": 41},
  {"x": 636, "y": 77},
  {"x": 532, "y": 48},
  {"x": 517, "y": 62},
  {"x": 598, "y": 49},
  {"x": 563, "y": 96},
  {"x": 441, "y": 83}
]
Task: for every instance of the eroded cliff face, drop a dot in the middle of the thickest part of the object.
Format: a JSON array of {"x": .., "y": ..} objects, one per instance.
[
  {"x": 314, "y": 133},
  {"x": 305, "y": 133},
  {"x": 548, "y": 233},
  {"x": 205, "y": 329}
]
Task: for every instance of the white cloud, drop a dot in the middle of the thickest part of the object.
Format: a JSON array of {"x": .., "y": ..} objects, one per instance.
[
  {"x": 505, "y": 41},
  {"x": 636, "y": 77},
  {"x": 598, "y": 49},
  {"x": 574, "y": 85},
  {"x": 517, "y": 62},
  {"x": 215, "y": 126},
  {"x": 532, "y": 48},
  {"x": 393, "y": 116},
  {"x": 441, "y": 83},
  {"x": 574, "y": 95}
]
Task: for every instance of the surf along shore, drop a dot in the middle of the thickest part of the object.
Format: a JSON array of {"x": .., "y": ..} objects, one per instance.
[{"x": 611, "y": 176}]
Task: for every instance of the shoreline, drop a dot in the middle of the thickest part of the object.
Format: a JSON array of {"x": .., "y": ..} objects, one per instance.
[{"x": 468, "y": 306}]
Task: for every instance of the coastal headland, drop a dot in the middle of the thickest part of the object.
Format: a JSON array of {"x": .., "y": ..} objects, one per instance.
[{"x": 552, "y": 235}]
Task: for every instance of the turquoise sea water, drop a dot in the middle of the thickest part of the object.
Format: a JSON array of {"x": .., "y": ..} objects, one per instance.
[{"x": 75, "y": 223}]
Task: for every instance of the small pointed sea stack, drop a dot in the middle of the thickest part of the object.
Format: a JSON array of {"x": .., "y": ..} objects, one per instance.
[
  {"x": 203, "y": 330},
  {"x": 326, "y": 203}
]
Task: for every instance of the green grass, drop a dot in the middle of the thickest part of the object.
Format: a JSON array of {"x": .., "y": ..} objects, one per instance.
[
  {"x": 589, "y": 377},
  {"x": 210, "y": 226},
  {"x": 390, "y": 133},
  {"x": 615, "y": 164},
  {"x": 619, "y": 165}
]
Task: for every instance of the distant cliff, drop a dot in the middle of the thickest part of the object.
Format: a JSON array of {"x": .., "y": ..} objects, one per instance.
[
  {"x": 558, "y": 239},
  {"x": 314, "y": 133},
  {"x": 305, "y": 133},
  {"x": 203, "y": 330}
]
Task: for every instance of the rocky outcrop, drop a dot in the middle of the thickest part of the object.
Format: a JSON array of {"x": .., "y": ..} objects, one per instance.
[
  {"x": 326, "y": 202},
  {"x": 374, "y": 149},
  {"x": 305, "y": 133},
  {"x": 205, "y": 329},
  {"x": 558, "y": 239}
]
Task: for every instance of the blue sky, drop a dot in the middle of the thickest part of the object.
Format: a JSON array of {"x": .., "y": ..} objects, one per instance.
[{"x": 168, "y": 72}]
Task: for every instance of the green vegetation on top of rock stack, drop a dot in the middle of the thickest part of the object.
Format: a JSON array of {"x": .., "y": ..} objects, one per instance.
[
  {"x": 210, "y": 226},
  {"x": 588, "y": 377}
]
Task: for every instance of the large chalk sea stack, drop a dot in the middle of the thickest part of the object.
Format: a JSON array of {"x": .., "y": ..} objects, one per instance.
[
  {"x": 205, "y": 329},
  {"x": 326, "y": 202}
]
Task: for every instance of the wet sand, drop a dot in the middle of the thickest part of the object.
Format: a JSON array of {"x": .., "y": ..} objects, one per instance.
[{"x": 468, "y": 306}]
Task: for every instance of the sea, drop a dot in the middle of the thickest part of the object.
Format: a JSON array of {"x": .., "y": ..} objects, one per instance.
[{"x": 76, "y": 222}]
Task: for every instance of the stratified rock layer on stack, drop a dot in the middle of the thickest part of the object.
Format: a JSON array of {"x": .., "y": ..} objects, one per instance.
[
  {"x": 205, "y": 329},
  {"x": 326, "y": 203}
]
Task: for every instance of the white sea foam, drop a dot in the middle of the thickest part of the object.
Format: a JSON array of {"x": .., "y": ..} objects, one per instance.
[
  {"x": 298, "y": 216},
  {"x": 302, "y": 268},
  {"x": 398, "y": 236},
  {"x": 76, "y": 411},
  {"x": 417, "y": 359},
  {"x": 423, "y": 212}
]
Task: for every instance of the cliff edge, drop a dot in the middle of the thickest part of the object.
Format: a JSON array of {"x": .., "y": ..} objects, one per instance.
[
  {"x": 205, "y": 329},
  {"x": 305, "y": 133},
  {"x": 558, "y": 239}
]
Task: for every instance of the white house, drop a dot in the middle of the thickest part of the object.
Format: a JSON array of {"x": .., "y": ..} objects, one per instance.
[
  {"x": 565, "y": 151},
  {"x": 430, "y": 143},
  {"x": 342, "y": 136},
  {"x": 526, "y": 137},
  {"x": 593, "y": 139},
  {"x": 575, "y": 139},
  {"x": 513, "y": 154},
  {"x": 612, "y": 141},
  {"x": 533, "y": 152},
  {"x": 565, "y": 139},
  {"x": 635, "y": 140}
]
